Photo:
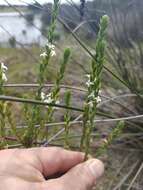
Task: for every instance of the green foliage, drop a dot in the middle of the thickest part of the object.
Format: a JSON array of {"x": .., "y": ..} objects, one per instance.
[
  {"x": 49, "y": 48},
  {"x": 36, "y": 117},
  {"x": 2, "y": 125},
  {"x": 55, "y": 10},
  {"x": 116, "y": 132},
  {"x": 60, "y": 75},
  {"x": 1, "y": 81},
  {"x": 3, "y": 105},
  {"x": 37, "y": 124},
  {"x": 12, "y": 42},
  {"x": 67, "y": 119},
  {"x": 94, "y": 85}
]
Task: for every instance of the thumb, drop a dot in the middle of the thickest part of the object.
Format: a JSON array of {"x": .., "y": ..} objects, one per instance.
[
  {"x": 84, "y": 175},
  {"x": 81, "y": 177}
]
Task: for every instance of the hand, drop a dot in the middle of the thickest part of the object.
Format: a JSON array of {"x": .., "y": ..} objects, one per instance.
[{"x": 26, "y": 169}]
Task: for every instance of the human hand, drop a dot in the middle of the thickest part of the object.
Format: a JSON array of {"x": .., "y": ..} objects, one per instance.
[{"x": 26, "y": 169}]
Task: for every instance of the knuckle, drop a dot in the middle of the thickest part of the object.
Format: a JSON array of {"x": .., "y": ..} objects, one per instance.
[{"x": 57, "y": 151}]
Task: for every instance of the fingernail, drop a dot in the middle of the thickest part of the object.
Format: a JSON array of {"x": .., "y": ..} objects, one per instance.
[{"x": 96, "y": 167}]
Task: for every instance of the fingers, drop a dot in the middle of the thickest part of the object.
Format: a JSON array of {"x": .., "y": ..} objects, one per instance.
[
  {"x": 53, "y": 160},
  {"x": 81, "y": 177},
  {"x": 14, "y": 183},
  {"x": 84, "y": 175}
]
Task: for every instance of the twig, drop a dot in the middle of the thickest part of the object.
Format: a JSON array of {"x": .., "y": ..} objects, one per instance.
[
  {"x": 135, "y": 177},
  {"x": 31, "y": 101},
  {"x": 45, "y": 86},
  {"x": 58, "y": 133},
  {"x": 119, "y": 170},
  {"x": 126, "y": 176}
]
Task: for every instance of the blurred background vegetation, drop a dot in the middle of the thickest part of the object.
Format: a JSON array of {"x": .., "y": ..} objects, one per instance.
[{"x": 23, "y": 33}]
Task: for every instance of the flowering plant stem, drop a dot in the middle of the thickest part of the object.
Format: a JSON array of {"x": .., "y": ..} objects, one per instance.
[
  {"x": 60, "y": 75},
  {"x": 67, "y": 119},
  {"x": 11, "y": 122},
  {"x": 3, "y": 105},
  {"x": 94, "y": 85},
  {"x": 31, "y": 133},
  {"x": 114, "y": 134},
  {"x": 49, "y": 49},
  {"x": 3, "y": 142}
]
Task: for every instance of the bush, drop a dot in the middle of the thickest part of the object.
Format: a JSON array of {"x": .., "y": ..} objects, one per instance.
[{"x": 12, "y": 42}]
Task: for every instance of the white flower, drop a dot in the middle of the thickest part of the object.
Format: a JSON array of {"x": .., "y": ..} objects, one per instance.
[
  {"x": 52, "y": 49},
  {"x": 90, "y": 104},
  {"x": 3, "y": 69},
  {"x": 57, "y": 102},
  {"x": 98, "y": 99},
  {"x": 44, "y": 55},
  {"x": 48, "y": 98},
  {"x": 88, "y": 83},
  {"x": 88, "y": 76},
  {"x": 92, "y": 95},
  {"x": 53, "y": 53},
  {"x": 49, "y": 95},
  {"x": 51, "y": 46},
  {"x": 4, "y": 78},
  {"x": 42, "y": 95}
]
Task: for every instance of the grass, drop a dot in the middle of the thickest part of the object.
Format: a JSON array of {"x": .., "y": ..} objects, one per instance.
[
  {"x": 19, "y": 60},
  {"x": 7, "y": 9}
]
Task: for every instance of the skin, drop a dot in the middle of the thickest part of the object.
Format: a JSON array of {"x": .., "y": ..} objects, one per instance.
[{"x": 26, "y": 169}]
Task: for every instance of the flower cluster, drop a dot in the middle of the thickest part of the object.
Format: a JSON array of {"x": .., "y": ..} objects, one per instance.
[
  {"x": 91, "y": 102},
  {"x": 94, "y": 84},
  {"x": 51, "y": 48},
  {"x": 92, "y": 95},
  {"x": 43, "y": 55},
  {"x": 3, "y": 70},
  {"x": 94, "y": 99},
  {"x": 89, "y": 82},
  {"x": 47, "y": 98}
]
